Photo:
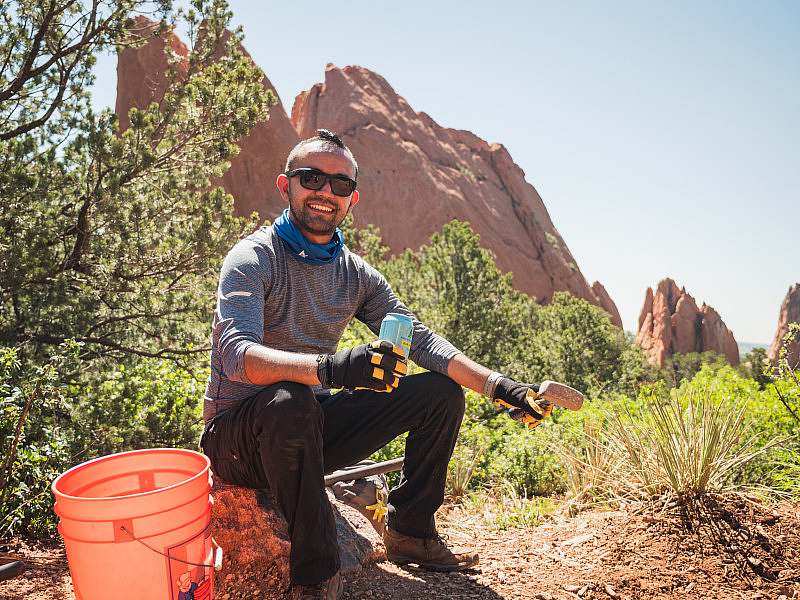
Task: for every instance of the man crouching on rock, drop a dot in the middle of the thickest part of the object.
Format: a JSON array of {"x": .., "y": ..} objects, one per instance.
[{"x": 286, "y": 294}]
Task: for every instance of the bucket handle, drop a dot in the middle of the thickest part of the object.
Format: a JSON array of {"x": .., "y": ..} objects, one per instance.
[{"x": 217, "y": 565}]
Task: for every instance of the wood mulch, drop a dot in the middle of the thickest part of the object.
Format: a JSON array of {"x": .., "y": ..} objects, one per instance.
[{"x": 715, "y": 550}]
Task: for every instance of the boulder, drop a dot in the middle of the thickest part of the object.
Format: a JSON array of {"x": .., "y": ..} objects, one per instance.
[
  {"x": 255, "y": 542},
  {"x": 789, "y": 313},
  {"x": 670, "y": 322}
]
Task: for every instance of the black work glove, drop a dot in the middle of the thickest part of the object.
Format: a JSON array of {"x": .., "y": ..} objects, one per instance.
[
  {"x": 522, "y": 406},
  {"x": 378, "y": 366}
]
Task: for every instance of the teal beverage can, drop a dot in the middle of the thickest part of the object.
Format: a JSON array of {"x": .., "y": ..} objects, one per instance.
[{"x": 397, "y": 329}]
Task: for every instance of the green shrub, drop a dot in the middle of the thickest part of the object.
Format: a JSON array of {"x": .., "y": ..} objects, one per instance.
[
  {"x": 764, "y": 410},
  {"x": 501, "y": 450},
  {"x": 713, "y": 433},
  {"x": 575, "y": 342},
  {"x": 526, "y": 462},
  {"x": 73, "y": 417},
  {"x": 755, "y": 365},
  {"x": 453, "y": 285},
  {"x": 140, "y": 404},
  {"x": 785, "y": 375},
  {"x": 36, "y": 438},
  {"x": 680, "y": 367}
]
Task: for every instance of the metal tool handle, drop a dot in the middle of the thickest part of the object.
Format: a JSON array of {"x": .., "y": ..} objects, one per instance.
[
  {"x": 358, "y": 472},
  {"x": 11, "y": 569}
]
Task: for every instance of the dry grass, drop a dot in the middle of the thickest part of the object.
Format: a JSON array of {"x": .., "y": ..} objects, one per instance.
[
  {"x": 686, "y": 446},
  {"x": 460, "y": 471}
]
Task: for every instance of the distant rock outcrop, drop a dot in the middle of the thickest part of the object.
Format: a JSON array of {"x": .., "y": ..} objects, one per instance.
[
  {"x": 607, "y": 303},
  {"x": 262, "y": 156},
  {"x": 417, "y": 176},
  {"x": 414, "y": 176},
  {"x": 251, "y": 177},
  {"x": 670, "y": 322},
  {"x": 141, "y": 71},
  {"x": 790, "y": 313}
]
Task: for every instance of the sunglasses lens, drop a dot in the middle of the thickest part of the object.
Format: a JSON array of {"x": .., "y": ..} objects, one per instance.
[
  {"x": 342, "y": 187},
  {"x": 312, "y": 180}
]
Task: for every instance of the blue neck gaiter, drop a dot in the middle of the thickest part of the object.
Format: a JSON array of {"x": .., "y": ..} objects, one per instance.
[{"x": 315, "y": 254}]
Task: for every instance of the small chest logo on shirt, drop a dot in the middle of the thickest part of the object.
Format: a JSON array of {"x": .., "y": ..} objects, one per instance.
[{"x": 303, "y": 254}]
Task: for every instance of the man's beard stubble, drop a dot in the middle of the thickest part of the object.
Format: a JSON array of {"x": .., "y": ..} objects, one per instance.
[{"x": 313, "y": 222}]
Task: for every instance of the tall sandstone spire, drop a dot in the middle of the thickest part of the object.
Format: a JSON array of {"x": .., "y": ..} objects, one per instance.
[
  {"x": 790, "y": 313},
  {"x": 414, "y": 175},
  {"x": 251, "y": 176},
  {"x": 670, "y": 322},
  {"x": 141, "y": 71},
  {"x": 418, "y": 175}
]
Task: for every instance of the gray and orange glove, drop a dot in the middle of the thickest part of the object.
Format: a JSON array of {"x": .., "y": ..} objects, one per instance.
[
  {"x": 377, "y": 366},
  {"x": 522, "y": 401}
]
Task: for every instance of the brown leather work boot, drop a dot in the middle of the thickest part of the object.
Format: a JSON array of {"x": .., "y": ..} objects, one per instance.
[
  {"x": 429, "y": 553},
  {"x": 324, "y": 590}
]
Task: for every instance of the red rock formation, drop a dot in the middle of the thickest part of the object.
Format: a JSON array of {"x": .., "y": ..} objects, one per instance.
[
  {"x": 263, "y": 151},
  {"x": 670, "y": 323},
  {"x": 655, "y": 330},
  {"x": 415, "y": 176},
  {"x": 790, "y": 313},
  {"x": 716, "y": 336},
  {"x": 251, "y": 177},
  {"x": 140, "y": 71},
  {"x": 606, "y": 303},
  {"x": 686, "y": 325}
]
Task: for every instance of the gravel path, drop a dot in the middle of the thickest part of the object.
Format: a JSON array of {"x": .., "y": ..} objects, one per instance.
[{"x": 596, "y": 555}]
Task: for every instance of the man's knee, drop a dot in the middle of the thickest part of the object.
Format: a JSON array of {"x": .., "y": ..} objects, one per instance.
[
  {"x": 450, "y": 393},
  {"x": 291, "y": 405}
]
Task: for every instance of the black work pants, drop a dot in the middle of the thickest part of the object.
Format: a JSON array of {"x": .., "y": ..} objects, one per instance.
[{"x": 285, "y": 439}]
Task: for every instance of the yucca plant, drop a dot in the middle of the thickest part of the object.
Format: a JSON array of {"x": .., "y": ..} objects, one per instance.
[
  {"x": 686, "y": 445},
  {"x": 589, "y": 468}
]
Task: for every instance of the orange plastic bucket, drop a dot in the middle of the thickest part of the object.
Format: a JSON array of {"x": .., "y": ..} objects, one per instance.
[{"x": 137, "y": 525}]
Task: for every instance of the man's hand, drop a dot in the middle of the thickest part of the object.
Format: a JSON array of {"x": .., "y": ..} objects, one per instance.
[
  {"x": 378, "y": 366},
  {"x": 522, "y": 405}
]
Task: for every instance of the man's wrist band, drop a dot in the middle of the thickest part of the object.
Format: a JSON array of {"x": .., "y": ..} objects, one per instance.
[
  {"x": 491, "y": 384},
  {"x": 322, "y": 370}
]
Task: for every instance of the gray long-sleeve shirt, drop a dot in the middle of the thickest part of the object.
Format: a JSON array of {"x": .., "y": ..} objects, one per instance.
[{"x": 268, "y": 296}]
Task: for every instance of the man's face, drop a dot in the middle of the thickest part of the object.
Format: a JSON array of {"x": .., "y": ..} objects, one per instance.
[{"x": 317, "y": 213}]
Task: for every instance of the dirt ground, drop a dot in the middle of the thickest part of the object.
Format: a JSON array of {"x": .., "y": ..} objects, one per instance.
[{"x": 715, "y": 551}]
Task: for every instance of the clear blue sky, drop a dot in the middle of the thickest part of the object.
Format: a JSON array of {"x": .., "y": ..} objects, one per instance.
[{"x": 663, "y": 138}]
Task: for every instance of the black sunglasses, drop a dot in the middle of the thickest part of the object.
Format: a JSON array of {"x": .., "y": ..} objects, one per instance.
[{"x": 314, "y": 179}]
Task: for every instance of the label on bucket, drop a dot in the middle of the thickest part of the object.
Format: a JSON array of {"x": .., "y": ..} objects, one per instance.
[{"x": 191, "y": 568}]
